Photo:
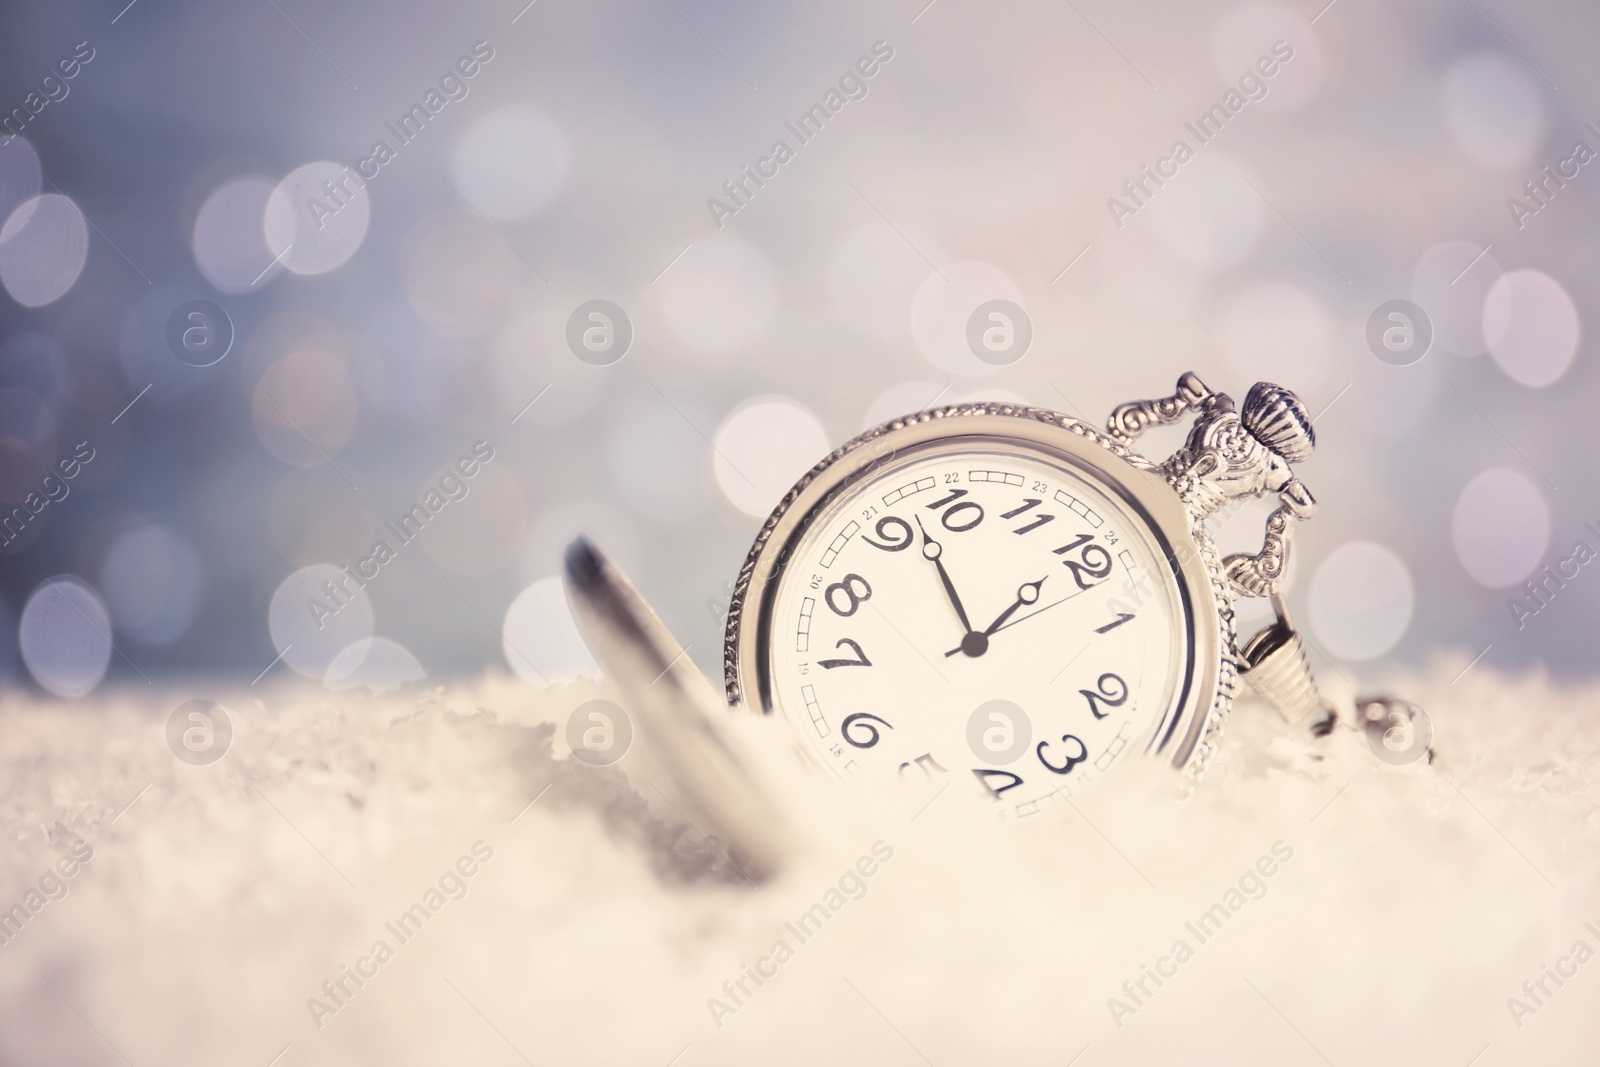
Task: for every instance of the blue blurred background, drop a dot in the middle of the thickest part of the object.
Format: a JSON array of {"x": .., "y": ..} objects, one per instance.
[{"x": 434, "y": 313}]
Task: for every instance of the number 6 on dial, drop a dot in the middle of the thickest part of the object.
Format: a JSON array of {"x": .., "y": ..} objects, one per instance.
[{"x": 859, "y": 719}]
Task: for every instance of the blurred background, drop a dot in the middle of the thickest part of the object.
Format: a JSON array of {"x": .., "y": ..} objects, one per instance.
[{"x": 278, "y": 273}]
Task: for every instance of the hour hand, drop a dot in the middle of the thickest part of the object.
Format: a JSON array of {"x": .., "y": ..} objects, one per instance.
[
  {"x": 931, "y": 551},
  {"x": 977, "y": 644}
]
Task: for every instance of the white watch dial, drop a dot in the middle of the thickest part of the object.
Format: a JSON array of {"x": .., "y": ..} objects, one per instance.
[{"x": 999, "y": 620}]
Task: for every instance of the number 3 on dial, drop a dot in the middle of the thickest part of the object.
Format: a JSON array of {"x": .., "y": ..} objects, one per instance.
[{"x": 1072, "y": 761}]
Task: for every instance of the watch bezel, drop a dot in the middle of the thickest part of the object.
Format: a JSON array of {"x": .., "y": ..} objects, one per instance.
[{"x": 1207, "y": 691}]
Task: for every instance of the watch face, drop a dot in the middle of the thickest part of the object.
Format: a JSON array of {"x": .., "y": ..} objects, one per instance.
[{"x": 1001, "y": 618}]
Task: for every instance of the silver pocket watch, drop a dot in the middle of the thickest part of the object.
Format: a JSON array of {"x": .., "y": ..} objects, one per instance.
[{"x": 1012, "y": 597}]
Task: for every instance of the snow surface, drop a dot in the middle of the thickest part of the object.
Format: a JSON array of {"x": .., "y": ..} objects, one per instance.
[{"x": 217, "y": 903}]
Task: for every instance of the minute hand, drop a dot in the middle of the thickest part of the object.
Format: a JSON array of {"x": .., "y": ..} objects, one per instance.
[{"x": 1027, "y": 593}]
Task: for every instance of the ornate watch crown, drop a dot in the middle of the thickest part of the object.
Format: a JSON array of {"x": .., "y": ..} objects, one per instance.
[{"x": 1277, "y": 418}]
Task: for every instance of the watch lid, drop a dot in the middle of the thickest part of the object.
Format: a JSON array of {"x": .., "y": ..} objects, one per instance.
[{"x": 679, "y": 752}]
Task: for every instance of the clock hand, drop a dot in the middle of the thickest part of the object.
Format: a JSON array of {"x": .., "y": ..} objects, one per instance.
[
  {"x": 932, "y": 550},
  {"x": 1027, "y": 593},
  {"x": 1031, "y": 614}
]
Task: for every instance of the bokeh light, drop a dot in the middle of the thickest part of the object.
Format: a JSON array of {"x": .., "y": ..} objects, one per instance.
[
  {"x": 229, "y": 240},
  {"x": 153, "y": 580},
  {"x": 540, "y": 640},
  {"x": 305, "y": 406},
  {"x": 1361, "y": 600},
  {"x": 762, "y": 449},
  {"x": 375, "y": 664},
  {"x": 1501, "y": 527},
  {"x": 316, "y": 218},
  {"x": 44, "y": 244},
  {"x": 65, "y": 636},
  {"x": 1531, "y": 326},
  {"x": 316, "y": 613},
  {"x": 511, "y": 163}
]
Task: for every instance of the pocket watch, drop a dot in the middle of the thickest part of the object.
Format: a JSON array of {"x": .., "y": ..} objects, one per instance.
[
  {"x": 1011, "y": 596},
  {"x": 993, "y": 594}
]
